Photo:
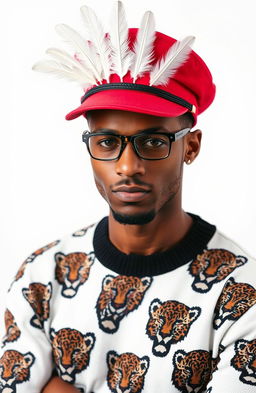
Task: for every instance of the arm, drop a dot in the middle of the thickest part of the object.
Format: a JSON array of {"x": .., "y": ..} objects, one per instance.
[
  {"x": 235, "y": 370},
  {"x": 26, "y": 355},
  {"x": 57, "y": 385}
]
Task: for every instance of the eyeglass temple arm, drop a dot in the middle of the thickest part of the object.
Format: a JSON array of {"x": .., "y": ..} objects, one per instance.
[{"x": 181, "y": 133}]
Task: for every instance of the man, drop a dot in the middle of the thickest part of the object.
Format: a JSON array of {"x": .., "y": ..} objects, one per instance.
[{"x": 151, "y": 298}]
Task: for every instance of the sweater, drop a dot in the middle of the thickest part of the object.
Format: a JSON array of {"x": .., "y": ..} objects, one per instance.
[{"x": 182, "y": 320}]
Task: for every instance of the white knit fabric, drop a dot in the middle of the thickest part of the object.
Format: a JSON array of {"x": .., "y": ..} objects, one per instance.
[{"x": 128, "y": 334}]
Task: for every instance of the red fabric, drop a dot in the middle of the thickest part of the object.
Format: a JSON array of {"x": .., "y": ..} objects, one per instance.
[{"x": 192, "y": 82}]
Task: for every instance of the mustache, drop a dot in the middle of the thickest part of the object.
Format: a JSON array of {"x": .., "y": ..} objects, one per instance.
[{"x": 130, "y": 182}]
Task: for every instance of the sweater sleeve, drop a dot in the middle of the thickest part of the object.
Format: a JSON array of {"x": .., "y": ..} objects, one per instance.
[
  {"x": 235, "y": 371},
  {"x": 25, "y": 356}
]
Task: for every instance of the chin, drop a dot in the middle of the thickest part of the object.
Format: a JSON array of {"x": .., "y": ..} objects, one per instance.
[{"x": 134, "y": 219}]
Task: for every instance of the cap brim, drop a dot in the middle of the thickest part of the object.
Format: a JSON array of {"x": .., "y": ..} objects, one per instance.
[{"x": 129, "y": 100}]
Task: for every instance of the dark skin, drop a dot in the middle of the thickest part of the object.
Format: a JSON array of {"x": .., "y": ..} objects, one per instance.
[
  {"x": 162, "y": 180},
  {"x": 57, "y": 385}
]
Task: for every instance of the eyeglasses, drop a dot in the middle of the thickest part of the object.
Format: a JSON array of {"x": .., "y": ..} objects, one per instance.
[{"x": 148, "y": 145}]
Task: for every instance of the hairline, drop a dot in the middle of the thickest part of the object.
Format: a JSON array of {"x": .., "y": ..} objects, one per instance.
[{"x": 186, "y": 120}]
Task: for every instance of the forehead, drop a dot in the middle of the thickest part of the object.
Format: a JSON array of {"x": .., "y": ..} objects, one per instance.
[{"x": 129, "y": 122}]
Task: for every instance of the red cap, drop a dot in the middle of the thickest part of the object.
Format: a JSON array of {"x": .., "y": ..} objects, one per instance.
[{"x": 192, "y": 83}]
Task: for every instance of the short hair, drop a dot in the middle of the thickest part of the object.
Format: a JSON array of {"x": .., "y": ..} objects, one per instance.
[{"x": 186, "y": 120}]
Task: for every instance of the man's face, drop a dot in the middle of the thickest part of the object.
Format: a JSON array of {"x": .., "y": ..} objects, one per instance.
[{"x": 138, "y": 190}]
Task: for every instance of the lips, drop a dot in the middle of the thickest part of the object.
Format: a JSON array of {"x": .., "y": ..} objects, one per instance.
[
  {"x": 131, "y": 193},
  {"x": 130, "y": 189}
]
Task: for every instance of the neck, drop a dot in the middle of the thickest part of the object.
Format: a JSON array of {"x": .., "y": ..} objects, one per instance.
[{"x": 162, "y": 233}]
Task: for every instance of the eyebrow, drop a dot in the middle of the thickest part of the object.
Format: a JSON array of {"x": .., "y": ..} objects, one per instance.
[{"x": 143, "y": 131}]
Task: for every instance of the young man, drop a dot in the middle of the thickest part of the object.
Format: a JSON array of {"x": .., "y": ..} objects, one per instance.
[{"x": 151, "y": 298}]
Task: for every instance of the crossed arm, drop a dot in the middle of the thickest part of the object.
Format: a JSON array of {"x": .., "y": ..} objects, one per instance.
[{"x": 57, "y": 385}]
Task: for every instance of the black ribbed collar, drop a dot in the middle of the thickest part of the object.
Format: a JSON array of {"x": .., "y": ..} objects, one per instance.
[{"x": 192, "y": 244}]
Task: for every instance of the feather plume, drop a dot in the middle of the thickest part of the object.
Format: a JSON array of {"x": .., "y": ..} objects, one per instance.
[
  {"x": 121, "y": 54},
  {"x": 64, "y": 58},
  {"x": 62, "y": 71},
  {"x": 98, "y": 38},
  {"x": 174, "y": 58},
  {"x": 85, "y": 52},
  {"x": 143, "y": 47}
]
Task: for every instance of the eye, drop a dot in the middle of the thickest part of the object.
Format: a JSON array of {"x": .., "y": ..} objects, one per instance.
[
  {"x": 58, "y": 351},
  {"x": 15, "y": 367},
  {"x": 109, "y": 142},
  {"x": 153, "y": 142},
  {"x": 114, "y": 291},
  {"x": 81, "y": 268}
]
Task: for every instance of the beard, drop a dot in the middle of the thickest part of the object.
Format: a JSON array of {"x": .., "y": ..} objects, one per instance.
[
  {"x": 134, "y": 219},
  {"x": 147, "y": 217}
]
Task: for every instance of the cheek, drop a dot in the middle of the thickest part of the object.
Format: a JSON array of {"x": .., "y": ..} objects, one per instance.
[
  {"x": 166, "y": 176},
  {"x": 100, "y": 187},
  {"x": 102, "y": 176},
  {"x": 165, "y": 171}
]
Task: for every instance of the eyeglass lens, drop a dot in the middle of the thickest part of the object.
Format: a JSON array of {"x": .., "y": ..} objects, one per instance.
[{"x": 150, "y": 146}]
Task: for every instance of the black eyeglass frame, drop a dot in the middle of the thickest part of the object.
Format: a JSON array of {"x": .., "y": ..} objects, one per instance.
[{"x": 173, "y": 137}]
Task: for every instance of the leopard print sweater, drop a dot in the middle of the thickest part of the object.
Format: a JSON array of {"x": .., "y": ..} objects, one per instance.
[{"x": 178, "y": 321}]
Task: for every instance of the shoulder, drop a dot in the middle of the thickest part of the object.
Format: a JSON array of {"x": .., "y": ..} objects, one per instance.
[
  {"x": 41, "y": 263},
  {"x": 236, "y": 254},
  {"x": 223, "y": 241},
  {"x": 221, "y": 260}
]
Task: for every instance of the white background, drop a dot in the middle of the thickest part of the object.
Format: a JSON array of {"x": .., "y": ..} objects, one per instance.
[{"x": 47, "y": 188}]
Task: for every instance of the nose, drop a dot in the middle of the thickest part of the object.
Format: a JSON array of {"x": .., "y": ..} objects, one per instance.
[{"x": 130, "y": 164}]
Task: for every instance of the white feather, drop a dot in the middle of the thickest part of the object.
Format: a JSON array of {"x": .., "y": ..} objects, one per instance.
[
  {"x": 46, "y": 66},
  {"x": 85, "y": 52},
  {"x": 60, "y": 70},
  {"x": 121, "y": 55},
  {"x": 98, "y": 37},
  {"x": 174, "y": 58},
  {"x": 144, "y": 46},
  {"x": 64, "y": 58}
]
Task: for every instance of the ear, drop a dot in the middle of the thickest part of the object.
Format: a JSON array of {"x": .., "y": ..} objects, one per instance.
[
  {"x": 146, "y": 281},
  {"x": 240, "y": 345},
  {"x": 154, "y": 305},
  {"x": 89, "y": 340},
  {"x": 111, "y": 359},
  {"x": 26, "y": 292},
  {"x": 144, "y": 363},
  {"x": 240, "y": 260},
  {"x": 59, "y": 256},
  {"x": 90, "y": 258},
  {"x": 52, "y": 334},
  {"x": 106, "y": 281},
  {"x": 192, "y": 146},
  {"x": 178, "y": 357},
  {"x": 29, "y": 358},
  {"x": 48, "y": 291},
  {"x": 194, "y": 313},
  {"x": 230, "y": 282}
]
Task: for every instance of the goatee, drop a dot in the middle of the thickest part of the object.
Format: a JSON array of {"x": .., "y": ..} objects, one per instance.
[{"x": 134, "y": 219}]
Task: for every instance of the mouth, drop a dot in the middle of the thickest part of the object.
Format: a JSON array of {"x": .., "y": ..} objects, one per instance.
[{"x": 131, "y": 193}]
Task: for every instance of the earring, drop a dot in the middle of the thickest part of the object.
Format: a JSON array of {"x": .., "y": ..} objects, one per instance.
[{"x": 188, "y": 162}]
